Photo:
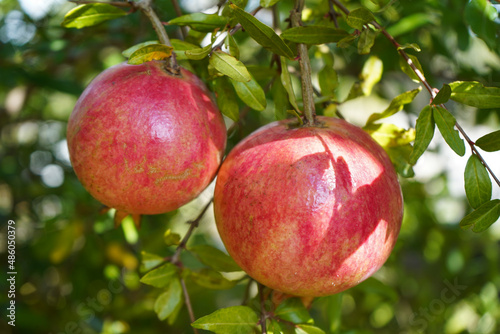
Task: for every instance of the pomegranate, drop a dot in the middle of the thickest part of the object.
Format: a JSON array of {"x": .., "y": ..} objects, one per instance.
[
  {"x": 144, "y": 141},
  {"x": 308, "y": 211}
]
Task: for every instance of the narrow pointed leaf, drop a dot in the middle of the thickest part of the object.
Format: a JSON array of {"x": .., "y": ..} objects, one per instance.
[
  {"x": 251, "y": 93},
  {"x": 168, "y": 301},
  {"x": 200, "y": 21},
  {"x": 328, "y": 81},
  {"x": 406, "y": 68},
  {"x": 149, "y": 53},
  {"x": 91, "y": 14},
  {"x": 161, "y": 276},
  {"x": 481, "y": 15},
  {"x": 400, "y": 157},
  {"x": 446, "y": 125},
  {"x": 211, "y": 279},
  {"x": 424, "y": 131},
  {"x": 474, "y": 94},
  {"x": 489, "y": 142},
  {"x": 477, "y": 182},
  {"x": 226, "y": 98},
  {"x": 268, "y": 3},
  {"x": 149, "y": 261},
  {"x": 230, "y": 66},
  {"x": 293, "y": 310},
  {"x": 198, "y": 53},
  {"x": 308, "y": 329},
  {"x": 366, "y": 41},
  {"x": 396, "y": 105},
  {"x": 443, "y": 96},
  {"x": 261, "y": 33},
  {"x": 371, "y": 74},
  {"x": 286, "y": 80},
  {"x": 314, "y": 34},
  {"x": 482, "y": 217},
  {"x": 127, "y": 53},
  {"x": 181, "y": 47},
  {"x": 413, "y": 46},
  {"x": 390, "y": 135},
  {"x": 280, "y": 99},
  {"x": 214, "y": 258},
  {"x": 231, "y": 320},
  {"x": 232, "y": 46},
  {"x": 358, "y": 17}
]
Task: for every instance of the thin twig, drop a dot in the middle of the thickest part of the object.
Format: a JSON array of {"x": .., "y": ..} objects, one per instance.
[
  {"x": 263, "y": 312},
  {"x": 427, "y": 86},
  {"x": 193, "y": 225},
  {"x": 305, "y": 69},
  {"x": 113, "y": 3},
  {"x": 189, "y": 306}
]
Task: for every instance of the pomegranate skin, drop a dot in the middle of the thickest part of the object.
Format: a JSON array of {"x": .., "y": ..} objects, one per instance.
[
  {"x": 143, "y": 141},
  {"x": 308, "y": 211}
]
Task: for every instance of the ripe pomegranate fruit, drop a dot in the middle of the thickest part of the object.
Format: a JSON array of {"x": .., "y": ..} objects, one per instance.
[
  {"x": 143, "y": 141},
  {"x": 308, "y": 211}
]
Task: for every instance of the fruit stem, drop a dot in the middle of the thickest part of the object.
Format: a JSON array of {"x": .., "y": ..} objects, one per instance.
[
  {"x": 146, "y": 8},
  {"x": 305, "y": 69}
]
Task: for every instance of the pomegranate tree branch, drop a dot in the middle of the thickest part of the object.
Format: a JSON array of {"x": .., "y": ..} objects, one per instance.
[
  {"x": 189, "y": 306},
  {"x": 145, "y": 7},
  {"x": 193, "y": 225},
  {"x": 263, "y": 312},
  {"x": 305, "y": 68},
  {"x": 428, "y": 87}
]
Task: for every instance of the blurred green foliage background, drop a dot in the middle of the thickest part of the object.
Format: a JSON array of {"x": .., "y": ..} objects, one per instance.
[{"x": 79, "y": 274}]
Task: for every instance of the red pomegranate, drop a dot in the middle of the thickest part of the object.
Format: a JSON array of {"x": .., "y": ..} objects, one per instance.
[
  {"x": 308, "y": 211},
  {"x": 144, "y": 141}
]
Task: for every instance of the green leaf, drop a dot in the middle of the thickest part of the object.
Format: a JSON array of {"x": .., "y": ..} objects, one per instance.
[
  {"x": 400, "y": 157},
  {"x": 161, "y": 276},
  {"x": 308, "y": 329},
  {"x": 127, "y": 53},
  {"x": 446, "y": 125},
  {"x": 232, "y": 46},
  {"x": 268, "y": 3},
  {"x": 477, "y": 182},
  {"x": 280, "y": 99},
  {"x": 91, "y": 14},
  {"x": 481, "y": 15},
  {"x": 251, "y": 93},
  {"x": 214, "y": 258},
  {"x": 261, "y": 33},
  {"x": 149, "y": 261},
  {"x": 211, "y": 279},
  {"x": 230, "y": 66},
  {"x": 226, "y": 98},
  {"x": 200, "y": 21},
  {"x": 390, "y": 135},
  {"x": 474, "y": 94},
  {"x": 180, "y": 48},
  {"x": 346, "y": 41},
  {"x": 293, "y": 310},
  {"x": 489, "y": 142},
  {"x": 424, "y": 132},
  {"x": 366, "y": 41},
  {"x": 482, "y": 217},
  {"x": 443, "y": 96},
  {"x": 314, "y": 34},
  {"x": 198, "y": 53},
  {"x": 413, "y": 46},
  {"x": 406, "y": 68},
  {"x": 168, "y": 301},
  {"x": 358, "y": 17},
  {"x": 396, "y": 105},
  {"x": 171, "y": 238},
  {"x": 371, "y": 74},
  {"x": 231, "y": 320},
  {"x": 328, "y": 81},
  {"x": 286, "y": 80},
  {"x": 409, "y": 23},
  {"x": 149, "y": 53}
]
